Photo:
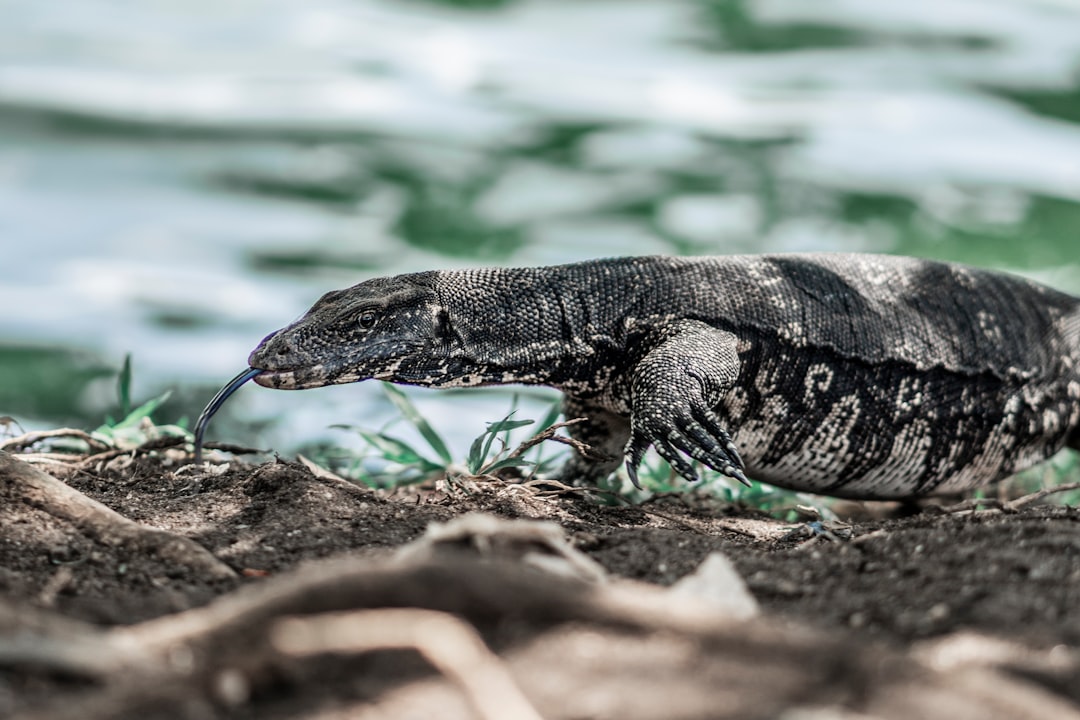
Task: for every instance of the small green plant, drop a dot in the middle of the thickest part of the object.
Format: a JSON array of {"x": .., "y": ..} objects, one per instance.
[
  {"x": 400, "y": 462},
  {"x": 412, "y": 415},
  {"x": 136, "y": 425},
  {"x": 478, "y": 462}
]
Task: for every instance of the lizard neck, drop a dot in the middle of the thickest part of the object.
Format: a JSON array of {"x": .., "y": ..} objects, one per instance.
[{"x": 541, "y": 326}]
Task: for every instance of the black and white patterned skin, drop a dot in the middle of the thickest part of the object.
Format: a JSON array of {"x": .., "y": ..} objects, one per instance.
[{"x": 866, "y": 376}]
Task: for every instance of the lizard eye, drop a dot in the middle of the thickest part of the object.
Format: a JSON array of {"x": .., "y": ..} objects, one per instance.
[{"x": 366, "y": 319}]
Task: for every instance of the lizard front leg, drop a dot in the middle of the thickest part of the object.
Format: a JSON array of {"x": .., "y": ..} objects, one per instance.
[{"x": 675, "y": 389}]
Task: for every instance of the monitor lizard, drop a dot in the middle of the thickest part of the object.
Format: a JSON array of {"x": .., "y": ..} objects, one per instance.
[{"x": 853, "y": 375}]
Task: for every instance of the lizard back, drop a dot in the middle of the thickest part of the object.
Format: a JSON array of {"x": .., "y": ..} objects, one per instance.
[{"x": 875, "y": 376}]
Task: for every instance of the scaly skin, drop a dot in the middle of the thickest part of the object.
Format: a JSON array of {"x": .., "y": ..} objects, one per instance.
[{"x": 852, "y": 375}]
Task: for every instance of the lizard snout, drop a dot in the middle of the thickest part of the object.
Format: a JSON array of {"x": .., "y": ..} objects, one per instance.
[{"x": 274, "y": 352}]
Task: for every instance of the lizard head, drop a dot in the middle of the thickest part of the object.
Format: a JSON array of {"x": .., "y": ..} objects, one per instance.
[{"x": 389, "y": 328}]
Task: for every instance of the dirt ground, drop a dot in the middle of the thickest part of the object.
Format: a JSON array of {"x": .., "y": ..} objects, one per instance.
[{"x": 268, "y": 591}]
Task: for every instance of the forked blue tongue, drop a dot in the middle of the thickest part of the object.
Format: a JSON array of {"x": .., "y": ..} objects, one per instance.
[{"x": 216, "y": 403}]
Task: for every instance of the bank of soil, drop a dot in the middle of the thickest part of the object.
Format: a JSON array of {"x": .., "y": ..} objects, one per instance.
[{"x": 964, "y": 614}]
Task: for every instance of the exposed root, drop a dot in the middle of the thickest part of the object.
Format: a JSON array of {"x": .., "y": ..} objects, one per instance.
[
  {"x": 235, "y": 639},
  {"x": 453, "y": 647},
  {"x": 21, "y": 482},
  {"x": 537, "y": 544},
  {"x": 199, "y": 661},
  {"x": 42, "y": 640}
]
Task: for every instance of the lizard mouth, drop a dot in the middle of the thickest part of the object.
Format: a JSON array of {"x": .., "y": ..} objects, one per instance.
[
  {"x": 304, "y": 378},
  {"x": 278, "y": 379}
]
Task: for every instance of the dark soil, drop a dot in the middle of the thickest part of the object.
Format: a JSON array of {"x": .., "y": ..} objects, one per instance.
[{"x": 973, "y": 614}]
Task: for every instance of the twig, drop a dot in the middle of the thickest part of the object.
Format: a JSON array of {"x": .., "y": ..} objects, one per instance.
[
  {"x": 549, "y": 434},
  {"x": 1025, "y": 500},
  {"x": 45, "y": 458},
  {"x": 7, "y": 422},
  {"x": 972, "y": 504},
  {"x": 25, "y": 440},
  {"x": 561, "y": 489},
  {"x": 145, "y": 448},
  {"x": 454, "y": 648},
  {"x": 673, "y": 520}
]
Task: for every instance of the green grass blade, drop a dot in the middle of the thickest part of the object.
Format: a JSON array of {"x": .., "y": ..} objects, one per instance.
[
  {"x": 475, "y": 461},
  {"x": 505, "y": 425},
  {"x": 136, "y": 416},
  {"x": 490, "y": 434},
  {"x": 123, "y": 386},
  {"x": 552, "y": 416},
  {"x": 410, "y": 413},
  {"x": 145, "y": 410},
  {"x": 394, "y": 450},
  {"x": 481, "y": 446},
  {"x": 514, "y": 399}
]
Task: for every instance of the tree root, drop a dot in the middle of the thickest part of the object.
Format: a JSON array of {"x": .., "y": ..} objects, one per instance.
[
  {"x": 437, "y": 598},
  {"x": 21, "y": 482},
  {"x": 453, "y": 647},
  {"x": 213, "y": 655}
]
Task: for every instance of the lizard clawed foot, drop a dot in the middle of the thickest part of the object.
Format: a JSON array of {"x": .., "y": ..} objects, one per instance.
[
  {"x": 675, "y": 387},
  {"x": 695, "y": 432}
]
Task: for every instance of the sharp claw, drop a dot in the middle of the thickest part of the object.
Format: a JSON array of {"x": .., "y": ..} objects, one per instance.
[
  {"x": 734, "y": 452},
  {"x": 737, "y": 474},
  {"x": 631, "y": 470}
]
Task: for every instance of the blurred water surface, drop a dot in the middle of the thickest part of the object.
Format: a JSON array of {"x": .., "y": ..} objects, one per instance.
[{"x": 178, "y": 178}]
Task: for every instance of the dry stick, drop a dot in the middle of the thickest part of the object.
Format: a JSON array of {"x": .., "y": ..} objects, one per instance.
[
  {"x": 548, "y": 433},
  {"x": 7, "y": 422},
  {"x": 453, "y": 647},
  {"x": 22, "y": 482},
  {"x": 27, "y": 439},
  {"x": 561, "y": 489},
  {"x": 1026, "y": 500},
  {"x": 972, "y": 504},
  {"x": 155, "y": 444},
  {"x": 68, "y": 460},
  {"x": 147, "y": 447}
]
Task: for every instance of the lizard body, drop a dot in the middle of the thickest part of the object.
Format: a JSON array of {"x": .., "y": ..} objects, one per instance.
[{"x": 852, "y": 375}]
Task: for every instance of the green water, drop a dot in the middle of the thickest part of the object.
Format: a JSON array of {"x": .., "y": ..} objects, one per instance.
[{"x": 176, "y": 181}]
